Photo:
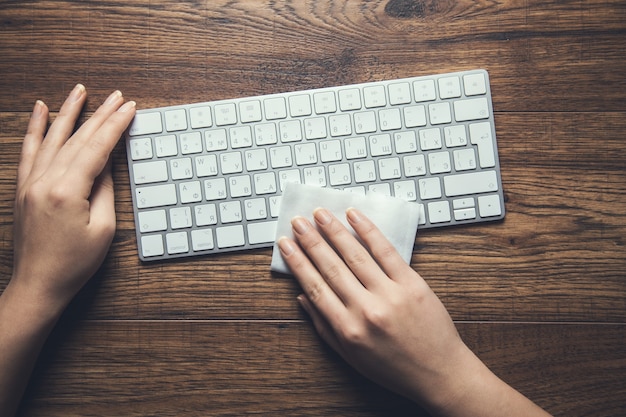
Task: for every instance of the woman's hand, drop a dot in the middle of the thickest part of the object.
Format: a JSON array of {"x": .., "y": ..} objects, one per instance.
[
  {"x": 64, "y": 208},
  {"x": 384, "y": 320}
]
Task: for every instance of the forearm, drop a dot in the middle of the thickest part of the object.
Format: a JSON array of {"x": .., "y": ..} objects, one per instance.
[
  {"x": 476, "y": 391},
  {"x": 25, "y": 322}
]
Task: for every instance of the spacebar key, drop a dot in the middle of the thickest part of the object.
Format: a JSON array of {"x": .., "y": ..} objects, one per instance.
[{"x": 470, "y": 183}]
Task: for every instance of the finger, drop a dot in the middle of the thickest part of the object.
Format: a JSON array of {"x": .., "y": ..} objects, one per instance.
[
  {"x": 32, "y": 141},
  {"x": 102, "y": 204},
  {"x": 330, "y": 265},
  {"x": 313, "y": 284},
  {"x": 322, "y": 326},
  {"x": 381, "y": 249},
  {"x": 92, "y": 157},
  {"x": 355, "y": 256},
  {"x": 91, "y": 126},
  {"x": 61, "y": 128}
]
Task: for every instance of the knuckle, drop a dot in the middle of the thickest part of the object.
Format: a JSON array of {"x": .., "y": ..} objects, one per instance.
[
  {"x": 377, "y": 318},
  {"x": 314, "y": 292},
  {"x": 353, "y": 334},
  {"x": 357, "y": 259}
]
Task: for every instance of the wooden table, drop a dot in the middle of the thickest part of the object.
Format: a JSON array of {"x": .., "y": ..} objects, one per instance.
[{"x": 540, "y": 297}]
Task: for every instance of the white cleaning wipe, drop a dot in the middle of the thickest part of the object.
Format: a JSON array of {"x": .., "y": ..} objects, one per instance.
[{"x": 397, "y": 219}]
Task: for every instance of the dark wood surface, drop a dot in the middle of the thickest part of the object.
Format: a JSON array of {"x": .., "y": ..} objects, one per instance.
[{"x": 540, "y": 297}]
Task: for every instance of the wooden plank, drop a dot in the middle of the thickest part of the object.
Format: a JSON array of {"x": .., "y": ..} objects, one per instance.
[
  {"x": 548, "y": 56},
  {"x": 229, "y": 368}
]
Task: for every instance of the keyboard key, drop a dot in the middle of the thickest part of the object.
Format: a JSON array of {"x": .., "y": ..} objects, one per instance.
[
  {"x": 156, "y": 196},
  {"x": 315, "y": 128},
  {"x": 330, "y": 151},
  {"x": 200, "y": 117},
  {"x": 275, "y": 108},
  {"x": 480, "y": 135},
  {"x": 365, "y": 122},
  {"x": 177, "y": 242},
  {"x": 231, "y": 162},
  {"x": 250, "y": 111},
  {"x": 471, "y": 109},
  {"x": 325, "y": 102},
  {"x": 340, "y": 125},
  {"x": 147, "y": 172},
  {"x": 429, "y": 188},
  {"x": 290, "y": 131},
  {"x": 181, "y": 168},
  {"x": 190, "y": 192},
  {"x": 364, "y": 171},
  {"x": 339, "y": 174},
  {"x": 474, "y": 84},
  {"x": 405, "y": 142},
  {"x": 264, "y": 232},
  {"x": 430, "y": 139},
  {"x": 455, "y": 136},
  {"x": 265, "y": 134},
  {"x": 349, "y": 99},
  {"x": 439, "y": 113},
  {"x": 464, "y": 159},
  {"x": 389, "y": 168},
  {"x": 449, "y": 87},
  {"x": 240, "y": 137},
  {"x": 255, "y": 209},
  {"x": 299, "y": 105},
  {"x": 465, "y": 214},
  {"x": 215, "y": 140},
  {"x": 215, "y": 189},
  {"x": 225, "y": 114},
  {"x": 355, "y": 147},
  {"x": 202, "y": 239},
  {"x": 399, "y": 93},
  {"x": 424, "y": 90},
  {"x": 190, "y": 143},
  {"x": 415, "y": 116},
  {"x": 180, "y": 217},
  {"x": 390, "y": 119},
  {"x": 489, "y": 205},
  {"x": 471, "y": 183},
  {"x": 140, "y": 149},
  {"x": 175, "y": 120},
  {"x": 145, "y": 124},
  {"x": 166, "y": 146},
  {"x": 439, "y": 212},
  {"x": 152, "y": 245},
  {"x": 230, "y": 212},
  {"x": 152, "y": 221},
  {"x": 439, "y": 162},
  {"x": 380, "y": 144},
  {"x": 205, "y": 214},
  {"x": 230, "y": 236},
  {"x": 374, "y": 96}
]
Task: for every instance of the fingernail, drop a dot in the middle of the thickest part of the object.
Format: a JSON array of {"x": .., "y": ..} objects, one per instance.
[
  {"x": 353, "y": 215},
  {"x": 322, "y": 216},
  {"x": 77, "y": 92},
  {"x": 113, "y": 97},
  {"x": 129, "y": 105},
  {"x": 300, "y": 225},
  {"x": 286, "y": 246},
  {"x": 38, "y": 109}
]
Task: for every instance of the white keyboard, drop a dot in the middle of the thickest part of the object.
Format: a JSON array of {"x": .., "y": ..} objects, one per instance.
[{"x": 207, "y": 177}]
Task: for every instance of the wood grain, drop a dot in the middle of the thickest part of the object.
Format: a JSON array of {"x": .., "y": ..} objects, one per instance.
[{"x": 540, "y": 296}]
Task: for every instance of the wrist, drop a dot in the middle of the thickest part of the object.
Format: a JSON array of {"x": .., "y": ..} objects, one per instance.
[{"x": 35, "y": 304}]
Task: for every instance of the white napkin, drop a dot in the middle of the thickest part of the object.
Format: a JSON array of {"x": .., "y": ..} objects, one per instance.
[{"x": 397, "y": 219}]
